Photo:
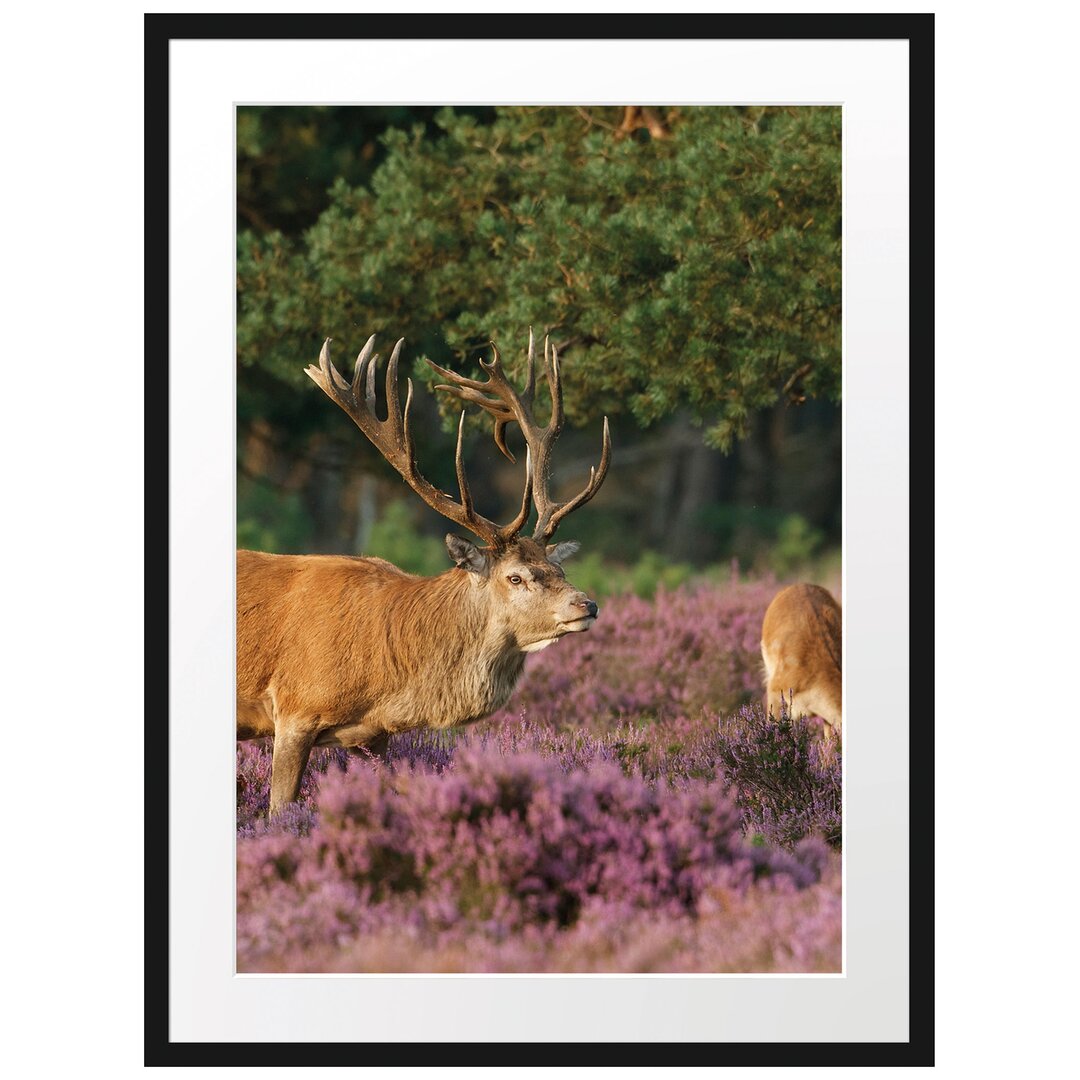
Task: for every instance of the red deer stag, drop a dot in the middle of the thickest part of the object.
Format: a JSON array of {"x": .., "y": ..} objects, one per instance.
[
  {"x": 800, "y": 645},
  {"x": 345, "y": 651}
]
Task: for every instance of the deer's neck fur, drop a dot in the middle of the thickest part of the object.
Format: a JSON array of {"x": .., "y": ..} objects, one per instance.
[{"x": 449, "y": 650}]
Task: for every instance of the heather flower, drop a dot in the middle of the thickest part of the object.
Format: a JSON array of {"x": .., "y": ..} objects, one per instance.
[
  {"x": 689, "y": 649},
  {"x": 497, "y": 845},
  {"x": 625, "y": 813}
]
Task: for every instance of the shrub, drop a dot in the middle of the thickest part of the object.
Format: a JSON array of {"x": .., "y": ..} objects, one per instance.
[
  {"x": 690, "y": 649},
  {"x": 499, "y": 845},
  {"x": 393, "y": 537},
  {"x": 601, "y": 577},
  {"x": 780, "y": 773},
  {"x": 797, "y": 542},
  {"x": 269, "y": 519},
  {"x": 785, "y": 777}
]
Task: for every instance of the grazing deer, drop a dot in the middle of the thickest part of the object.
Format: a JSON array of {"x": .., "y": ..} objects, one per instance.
[
  {"x": 800, "y": 645},
  {"x": 345, "y": 651}
]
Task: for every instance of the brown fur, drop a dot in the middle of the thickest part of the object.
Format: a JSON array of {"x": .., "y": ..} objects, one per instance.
[
  {"x": 801, "y": 649},
  {"x": 344, "y": 651}
]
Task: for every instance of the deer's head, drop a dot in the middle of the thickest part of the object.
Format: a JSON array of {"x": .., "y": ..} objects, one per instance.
[
  {"x": 529, "y": 596},
  {"x": 523, "y": 577}
]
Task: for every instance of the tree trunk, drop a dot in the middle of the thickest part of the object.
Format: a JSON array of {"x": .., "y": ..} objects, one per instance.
[
  {"x": 322, "y": 495},
  {"x": 688, "y": 484},
  {"x": 366, "y": 512}
]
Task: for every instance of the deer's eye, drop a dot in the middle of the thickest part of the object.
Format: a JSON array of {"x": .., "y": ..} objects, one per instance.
[{"x": 515, "y": 579}]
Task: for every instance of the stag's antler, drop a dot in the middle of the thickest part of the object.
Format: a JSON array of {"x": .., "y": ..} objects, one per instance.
[
  {"x": 392, "y": 439},
  {"x": 506, "y": 405}
]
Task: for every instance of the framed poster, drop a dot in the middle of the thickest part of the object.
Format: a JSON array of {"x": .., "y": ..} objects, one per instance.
[{"x": 852, "y": 984}]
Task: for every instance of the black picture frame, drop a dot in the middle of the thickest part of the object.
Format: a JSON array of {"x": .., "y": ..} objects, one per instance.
[{"x": 159, "y": 31}]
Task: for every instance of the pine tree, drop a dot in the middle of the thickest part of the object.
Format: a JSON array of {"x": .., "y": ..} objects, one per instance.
[{"x": 686, "y": 259}]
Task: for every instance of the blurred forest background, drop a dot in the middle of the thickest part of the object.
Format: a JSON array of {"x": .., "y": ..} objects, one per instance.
[{"x": 686, "y": 261}]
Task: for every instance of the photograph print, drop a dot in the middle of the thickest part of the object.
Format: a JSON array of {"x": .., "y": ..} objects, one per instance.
[{"x": 539, "y": 520}]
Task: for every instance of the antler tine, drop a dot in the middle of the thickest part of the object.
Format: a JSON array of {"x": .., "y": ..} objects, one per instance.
[
  {"x": 362, "y": 365},
  {"x": 500, "y": 439},
  {"x": 494, "y": 365},
  {"x": 459, "y": 465},
  {"x": 496, "y": 408},
  {"x": 406, "y": 434},
  {"x": 545, "y": 530},
  {"x": 515, "y": 526},
  {"x": 339, "y": 380},
  {"x": 512, "y": 410},
  {"x": 393, "y": 396},
  {"x": 327, "y": 377},
  {"x": 453, "y": 376},
  {"x": 369, "y": 390},
  {"x": 324, "y": 373},
  {"x": 550, "y": 513},
  {"x": 530, "y": 371},
  {"x": 504, "y": 407},
  {"x": 514, "y": 406},
  {"x": 392, "y": 437},
  {"x": 554, "y": 378}
]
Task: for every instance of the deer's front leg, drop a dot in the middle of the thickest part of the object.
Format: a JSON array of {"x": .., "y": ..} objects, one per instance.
[{"x": 292, "y": 747}]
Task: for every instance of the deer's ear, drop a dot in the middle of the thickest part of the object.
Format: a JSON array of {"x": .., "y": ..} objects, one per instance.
[
  {"x": 466, "y": 554},
  {"x": 559, "y": 553}
]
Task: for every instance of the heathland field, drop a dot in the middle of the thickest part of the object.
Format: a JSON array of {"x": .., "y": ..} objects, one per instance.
[{"x": 632, "y": 810}]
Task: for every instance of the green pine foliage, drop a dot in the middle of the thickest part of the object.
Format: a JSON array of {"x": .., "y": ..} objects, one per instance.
[{"x": 699, "y": 271}]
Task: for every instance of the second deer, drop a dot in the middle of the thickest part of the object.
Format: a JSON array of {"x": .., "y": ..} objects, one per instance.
[{"x": 801, "y": 648}]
